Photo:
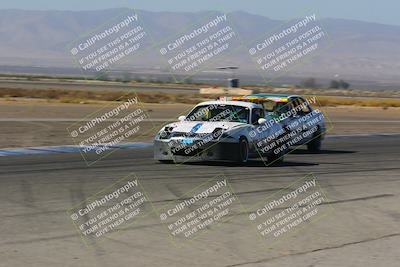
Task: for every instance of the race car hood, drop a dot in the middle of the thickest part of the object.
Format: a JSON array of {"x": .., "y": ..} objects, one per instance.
[{"x": 202, "y": 126}]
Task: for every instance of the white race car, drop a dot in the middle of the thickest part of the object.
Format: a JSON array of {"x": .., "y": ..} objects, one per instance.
[{"x": 219, "y": 130}]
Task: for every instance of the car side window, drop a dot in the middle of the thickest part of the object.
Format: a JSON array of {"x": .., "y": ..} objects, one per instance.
[
  {"x": 287, "y": 107},
  {"x": 304, "y": 106},
  {"x": 256, "y": 114},
  {"x": 269, "y": 105},
  {"x": 294, "y": 102}
]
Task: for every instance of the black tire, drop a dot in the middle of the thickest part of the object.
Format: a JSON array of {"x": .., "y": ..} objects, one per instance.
[
  {"x": 163, "y": 161},
  {"x": 314, "y": 146},
  {"x": 278, "y": 158},
  {"x": 243, "y": 151}
]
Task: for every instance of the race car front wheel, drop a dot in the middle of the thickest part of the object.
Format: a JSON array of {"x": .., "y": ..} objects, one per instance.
[{"x": 243, "y": 148}]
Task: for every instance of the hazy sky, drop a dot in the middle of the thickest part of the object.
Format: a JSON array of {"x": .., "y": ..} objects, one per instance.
[{"x": 381, "y": 11}]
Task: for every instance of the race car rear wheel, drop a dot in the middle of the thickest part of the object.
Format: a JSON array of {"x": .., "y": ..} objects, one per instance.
[
  {"x": 243, "y": 153},
  {"x": 164, "y": 161}
]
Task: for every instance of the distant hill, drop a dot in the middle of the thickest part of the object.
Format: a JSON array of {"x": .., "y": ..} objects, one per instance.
[{"x": 358, "y": 50}]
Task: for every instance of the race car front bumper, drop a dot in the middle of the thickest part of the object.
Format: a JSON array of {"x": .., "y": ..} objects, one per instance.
[{"x": 216, "y": 150}]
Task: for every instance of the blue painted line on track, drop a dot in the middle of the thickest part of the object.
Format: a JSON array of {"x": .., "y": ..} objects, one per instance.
[{"x": 61, "y": 149}]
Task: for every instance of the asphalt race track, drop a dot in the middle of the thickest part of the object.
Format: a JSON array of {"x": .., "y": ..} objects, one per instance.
[{"x": 360, "y": 176}]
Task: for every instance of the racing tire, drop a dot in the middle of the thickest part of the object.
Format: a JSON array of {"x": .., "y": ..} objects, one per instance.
[
  {"x": 243, "y": 151},
  {"x": 279, "y": 158},
  {"x": 314, "y": 146},
  {"x": 163, "y": 161}
]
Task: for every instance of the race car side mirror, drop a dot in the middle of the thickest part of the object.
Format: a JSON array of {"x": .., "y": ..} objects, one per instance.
[
  {"x": 181, "y": 118},
  {"x": 262, "y": 121}
]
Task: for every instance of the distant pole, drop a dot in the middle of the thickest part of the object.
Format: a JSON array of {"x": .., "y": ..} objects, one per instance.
[{"x": 232, "y": 82}]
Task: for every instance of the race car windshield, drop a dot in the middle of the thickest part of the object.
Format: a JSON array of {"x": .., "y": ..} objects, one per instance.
[
  {"x": 276, "y": 107},
  {"x": 219, "y": 113}
]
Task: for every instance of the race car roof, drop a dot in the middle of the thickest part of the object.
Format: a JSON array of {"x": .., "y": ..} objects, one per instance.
[{"x": 229, "y": 102}]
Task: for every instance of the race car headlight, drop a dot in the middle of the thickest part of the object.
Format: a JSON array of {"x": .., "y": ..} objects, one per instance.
[{"x": 165, "y": 133}]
